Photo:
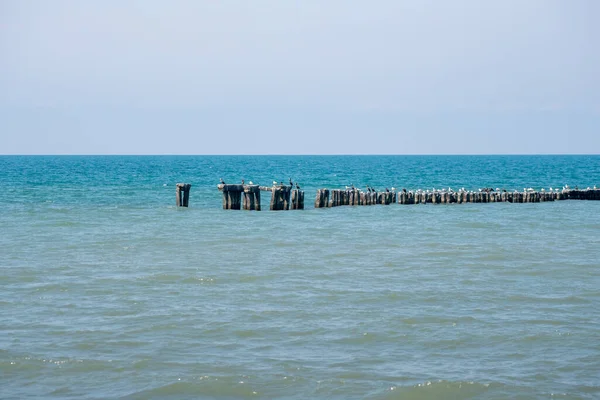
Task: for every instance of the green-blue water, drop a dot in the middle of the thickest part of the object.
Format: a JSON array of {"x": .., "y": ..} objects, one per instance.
[{"x": 109, "y": 291}]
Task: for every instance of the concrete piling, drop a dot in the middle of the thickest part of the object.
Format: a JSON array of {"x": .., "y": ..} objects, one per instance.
[
  {"x": 251, "y": 197},
  {"x": 182, "y": 194},
  {"x": 232, "y": 196},
  {"x": 322, "y": 199},
  {"x": 280, "y": 197},
  {"x": 297, "y": 199}
]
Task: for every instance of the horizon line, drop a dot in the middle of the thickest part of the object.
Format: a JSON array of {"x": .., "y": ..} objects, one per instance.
[{"x": 286, "y": 155}]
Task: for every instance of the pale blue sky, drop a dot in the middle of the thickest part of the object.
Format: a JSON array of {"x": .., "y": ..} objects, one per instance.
[{"x": 307, "y": 77}]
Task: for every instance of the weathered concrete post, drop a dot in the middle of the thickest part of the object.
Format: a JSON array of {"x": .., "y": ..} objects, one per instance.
[
  {"x": 232, "y": 195},
  {"x": 182, "y": 194},
  {"x": 280, "y": 197},
  {"x": 322, "y": 199},
  {"x": 252, "y": 197},
  {"x": 276, "y": 199},
  {"x": 297, "y": 199},
  {"x": 286, "y": 192},
  {"x": 334, "y": 196}
]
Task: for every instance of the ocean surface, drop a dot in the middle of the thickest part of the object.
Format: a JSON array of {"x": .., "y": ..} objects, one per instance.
[{"x": 108, "y": 291}]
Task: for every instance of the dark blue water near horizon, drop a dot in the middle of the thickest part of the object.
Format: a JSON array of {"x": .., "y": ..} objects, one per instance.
[
  {"x": 89, "y": 176},
  {"x": 110, "y": 291}
]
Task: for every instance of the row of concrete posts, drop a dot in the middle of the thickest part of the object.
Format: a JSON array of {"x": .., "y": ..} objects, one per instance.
[
  {"x": 352, "y": 197},
  {"x": 486, "y": 196},
  {"x": 284, "y": 197}
]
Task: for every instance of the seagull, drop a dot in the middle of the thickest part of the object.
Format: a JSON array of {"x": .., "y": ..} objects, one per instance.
[
  {"x": 594, "y": 187},
  {"x": 250, "y": 183},
  {"x": 393, "y": 189},
  {"x": 274, "y": 183},
  {"x": 222, "y": 181}
]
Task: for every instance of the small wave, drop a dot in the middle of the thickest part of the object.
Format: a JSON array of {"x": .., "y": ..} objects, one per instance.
[
  {"x": 440, "y": 390},
  {"x": 212, "y": 388},
  {"x": 176, "y": 278},
  {"x": 198, "y": 280},
  {"x": 571, "y": 299}
]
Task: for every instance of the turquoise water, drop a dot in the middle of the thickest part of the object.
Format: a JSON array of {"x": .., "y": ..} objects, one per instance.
[{"x": 109, "y": 291}]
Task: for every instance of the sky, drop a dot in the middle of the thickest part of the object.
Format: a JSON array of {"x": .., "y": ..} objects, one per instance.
[{"x": 300, "y": 77}]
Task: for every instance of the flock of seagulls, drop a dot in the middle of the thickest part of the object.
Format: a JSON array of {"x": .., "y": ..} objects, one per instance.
[{"x": 371, "y": 189}]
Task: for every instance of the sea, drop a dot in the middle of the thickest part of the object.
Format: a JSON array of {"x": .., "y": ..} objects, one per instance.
[{"x": 110, "y": 291}]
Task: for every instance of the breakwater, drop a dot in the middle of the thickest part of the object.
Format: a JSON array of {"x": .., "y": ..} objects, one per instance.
[
  {"x": 285, "y": 197},
  {"x": 353, "y": 196},
  {"x": 494, "y": 196}
]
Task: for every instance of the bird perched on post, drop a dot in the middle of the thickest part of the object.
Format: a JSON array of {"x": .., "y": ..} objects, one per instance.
[
  {"x": 297, "y": 186},
  {"x": 242, "y": 181},
  {"x": 222, "y": 181},
  {"x": 291, "y": 183},
  {"x": 274, "y": 183}
]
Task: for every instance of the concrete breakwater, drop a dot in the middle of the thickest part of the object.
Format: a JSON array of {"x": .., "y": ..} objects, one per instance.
[
  {"x": 494, "y": 196},
  {"x": 353, "y": 196},
  {"x": 286, "y": 197}
]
